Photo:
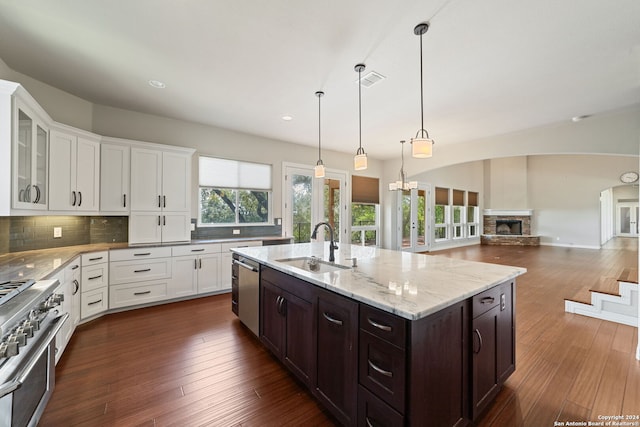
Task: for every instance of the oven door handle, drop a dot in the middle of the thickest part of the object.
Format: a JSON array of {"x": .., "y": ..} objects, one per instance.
[{"x": 19, "y": 379}]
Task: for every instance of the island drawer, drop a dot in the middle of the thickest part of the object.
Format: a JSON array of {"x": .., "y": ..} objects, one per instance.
[
  {"x": 287, "y": 283},
  {"x": 386, "y": 326},
  {"x": 374, "y": 412},
  {"x": 382, "y": 369},
  {"x": 485, "y": 301}
]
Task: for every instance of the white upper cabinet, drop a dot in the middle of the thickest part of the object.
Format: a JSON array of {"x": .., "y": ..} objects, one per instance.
[
  {"x": 114, "y": 177},
  {"x": 160, "y": 195},
  {"x": 30, "y": 162},
  {"x": 74, "y": 172}
]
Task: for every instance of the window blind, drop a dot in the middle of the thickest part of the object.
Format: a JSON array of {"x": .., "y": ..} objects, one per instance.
[
  {"x": 442, "y": 196},
  {"x": 472, "y": 198},
  {"x": 223, "y": 173},
  {"x": 365, "y": 190},
  {"x": 458, "y": 198}
]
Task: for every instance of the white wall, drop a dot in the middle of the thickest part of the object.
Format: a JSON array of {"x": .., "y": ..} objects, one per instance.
[
  {"x": 506, "y": 183},
  {"x": 564, "y": 192}
]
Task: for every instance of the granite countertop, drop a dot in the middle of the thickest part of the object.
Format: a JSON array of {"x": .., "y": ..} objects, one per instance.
[
  {"x": 44, "y": 263},
  {"x": 409, "y": 285}
]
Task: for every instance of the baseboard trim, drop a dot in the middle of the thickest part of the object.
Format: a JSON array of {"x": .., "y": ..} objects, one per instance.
[{"x": 562, "y": 245}]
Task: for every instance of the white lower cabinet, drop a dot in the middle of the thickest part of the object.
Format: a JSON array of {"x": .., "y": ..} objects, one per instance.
[
  {"x": 226, "y": 260},
  {"x": 69, "y": 288},
  {"x": 196, "y": 270},
  {"x": 139, "y": 276},
  {"x": 94, "y": 298}
]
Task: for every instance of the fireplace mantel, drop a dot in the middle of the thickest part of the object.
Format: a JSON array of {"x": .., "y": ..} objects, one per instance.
[{"x": 508, "y": 212}]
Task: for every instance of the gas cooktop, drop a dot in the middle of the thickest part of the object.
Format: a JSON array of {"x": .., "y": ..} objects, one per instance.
[{"x": 12, "y": 288}]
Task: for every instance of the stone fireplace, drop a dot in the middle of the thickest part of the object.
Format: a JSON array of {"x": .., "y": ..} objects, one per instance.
[{"x": 508, "y": 227}]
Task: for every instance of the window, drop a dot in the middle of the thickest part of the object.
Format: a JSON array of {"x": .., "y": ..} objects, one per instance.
[
  {"x": 365, "y": 211},
  {"x": 441, "y": 214},
  {"x": 234, "y": 193},
  {"x": 458, "y": 214},
  {"x": 473, "y": 215}
]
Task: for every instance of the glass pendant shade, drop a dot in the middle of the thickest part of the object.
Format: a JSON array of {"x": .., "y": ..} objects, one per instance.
[
  {"x": 319, "y": 170},
  {"x": 421, "y": 148},
  {"x": 360, "y": 160}
]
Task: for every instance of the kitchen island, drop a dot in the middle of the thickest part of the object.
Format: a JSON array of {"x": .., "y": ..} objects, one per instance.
[{"x": 399, "y": 339}]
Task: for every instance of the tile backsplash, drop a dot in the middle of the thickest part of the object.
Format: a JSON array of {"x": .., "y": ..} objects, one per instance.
[{"x": 24, "y": 233}]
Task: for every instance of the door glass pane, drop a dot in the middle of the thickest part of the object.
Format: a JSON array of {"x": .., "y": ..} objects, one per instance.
[
  {"x": 24, "y": 156},
  {"x": 332, "y": 206},
  {"x": 625, "y": 220},
  {"x": 40, "y": 185},
  {"x": 422, "y": 220},
  {"x": 406, "y": 219},
  {"x": 301, "y": 187}
]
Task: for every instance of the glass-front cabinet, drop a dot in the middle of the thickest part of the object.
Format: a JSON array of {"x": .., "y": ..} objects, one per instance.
[{"x": 30, "y": 168}]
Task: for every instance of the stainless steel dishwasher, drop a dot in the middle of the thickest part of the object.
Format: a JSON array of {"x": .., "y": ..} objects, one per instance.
[{"x": 248, "y": 293}]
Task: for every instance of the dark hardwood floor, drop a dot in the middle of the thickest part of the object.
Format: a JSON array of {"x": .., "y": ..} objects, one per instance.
[{"x": 192, "y": 363}]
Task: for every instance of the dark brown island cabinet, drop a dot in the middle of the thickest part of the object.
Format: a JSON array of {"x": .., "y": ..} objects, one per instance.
[{"x": 371, "y": 368}]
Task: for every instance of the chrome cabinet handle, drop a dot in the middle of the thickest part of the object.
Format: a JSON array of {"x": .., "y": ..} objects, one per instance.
[
  {"x": 142, "y": 271},
  {"x": 74, "y": 198},
  {"x": 378, "y": 325},
  {"x": 141, "y": 293},
  {"x": 379, "y": 369},
  {"x": 331, "y": 319},
  {"x": 75, "y": 282},
  {"x": 369, "y": 423},
  {"x": 477, "y": 332},
  {"x": 487, "y": 300},
  {"x": 95, "y": 302}
]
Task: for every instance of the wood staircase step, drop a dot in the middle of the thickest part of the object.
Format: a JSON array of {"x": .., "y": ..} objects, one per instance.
[
  {"x": 629, "y": 275},
  {"x": 607, "y": 285},
  {"x": 583, "y": 296}
]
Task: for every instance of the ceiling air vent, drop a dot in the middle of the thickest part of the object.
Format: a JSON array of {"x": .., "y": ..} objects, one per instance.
[{"x": 371, "y": 78}]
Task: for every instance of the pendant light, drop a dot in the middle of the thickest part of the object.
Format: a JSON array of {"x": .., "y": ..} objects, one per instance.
[
  {"x": 360, "y": 159},
  {"x": 421, "y": 145},
  {"x": 402, "y": 183},
  {"x": 319, "y": 169}
]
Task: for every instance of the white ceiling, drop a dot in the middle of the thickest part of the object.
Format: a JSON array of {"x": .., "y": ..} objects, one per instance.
[{"x": 490, "y": 67}]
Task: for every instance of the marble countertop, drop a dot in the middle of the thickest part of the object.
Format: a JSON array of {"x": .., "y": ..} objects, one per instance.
[
  {"x": 44, "y": 263},
  {"x": 409, "y": 285}
]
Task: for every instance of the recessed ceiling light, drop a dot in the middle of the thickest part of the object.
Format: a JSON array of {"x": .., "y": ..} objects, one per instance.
[
  {"x": 157, "y": 84},
  {"x": 578, "y": 118},
  {"x": 287, "y": 118}
]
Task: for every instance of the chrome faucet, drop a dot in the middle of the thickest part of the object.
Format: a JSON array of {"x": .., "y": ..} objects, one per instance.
[{"x": 332, "y": 244}]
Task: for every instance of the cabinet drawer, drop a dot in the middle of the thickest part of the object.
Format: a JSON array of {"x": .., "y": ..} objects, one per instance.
[
  {"x": 138, "y": 271},
  {"x": 195, "y": 249},
  {"x": 139, "y": 253},
  {"x": 485, "y": 301},
  {"x": 225, "y": 247},
  {"x": 139, "y": 293},
  {"x": 374, "y": 412},
  {"x": 72, "y": 270},
  {"x": 382, "y": 369},
  {"x": 95, "y": 277},
  {"x": 288, "y": 283},
  {"x": 95, "y": 258},
  {"x": 93, "y": 302},
  {"x": 383, "y": 325}
]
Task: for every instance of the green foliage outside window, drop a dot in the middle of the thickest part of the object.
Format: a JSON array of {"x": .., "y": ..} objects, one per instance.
[{"x": 230, "y": 206}]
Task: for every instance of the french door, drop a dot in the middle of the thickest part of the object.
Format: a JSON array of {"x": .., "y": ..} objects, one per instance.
[
  {"x": 627, "y": 219},
  {"x": 414, "y": 220},
  {"x": 310, "y": 200}
]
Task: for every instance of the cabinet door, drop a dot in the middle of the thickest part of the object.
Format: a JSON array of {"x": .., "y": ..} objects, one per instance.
[
  {"x": 506, "y": 362},
  {"x": 338, "y": 355},
  {"x": 299, "y": 348},
  {"x": 184, "y": 280},
  {"x": 208, "y": 273},
  {"x": 62, "y": 172},
  {"x": 30, "y": 160},
  {"x": 176, "y": 226},
  {"x": 226, "y": 263},
  {"x": 485, "y": 375},
  {"x": 145, "y": 227},
  {"x": 146, "y": 179},
  {"x": 114, "y": 178},
  {"x": 72, "y": 275},
  {"x": 87, "y": 183},
  {"x": 272, "y": 317},
  {"x": 176, "y": 182}
]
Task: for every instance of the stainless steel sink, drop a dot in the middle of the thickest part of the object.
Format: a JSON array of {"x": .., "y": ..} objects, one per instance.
[{"x": 313, "y": 264}]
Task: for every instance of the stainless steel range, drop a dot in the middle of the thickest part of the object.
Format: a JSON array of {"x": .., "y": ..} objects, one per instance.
[{"x": 29, "y": 322}]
